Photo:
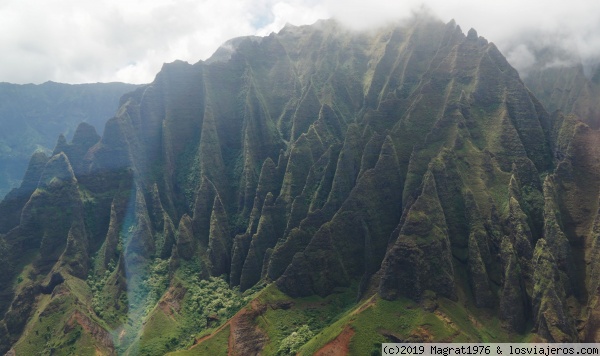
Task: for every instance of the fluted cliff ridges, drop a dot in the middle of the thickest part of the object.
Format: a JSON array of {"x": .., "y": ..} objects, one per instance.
[{"x": 364, "y": 170}]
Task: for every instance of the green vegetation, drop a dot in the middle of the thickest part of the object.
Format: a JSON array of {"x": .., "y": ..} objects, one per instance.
[
  {"x": 60, "y": 327},
  {"x": 206, "y": 299},
  {"x": 285, "y": 316},
  {"x": 157, "y": 282},
  {"x": 291, "y": 344},
  {"x": 216, "y": 345},
  {"x": 97, "y": 284},
  {"x": 190, "y": 308},
  {"x": 406, "y": 205}
]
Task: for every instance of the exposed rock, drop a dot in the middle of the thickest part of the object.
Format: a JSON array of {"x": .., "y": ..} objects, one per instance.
[
  {"x": 246, "y": 337},
  {"x": 99, "y": 334}
]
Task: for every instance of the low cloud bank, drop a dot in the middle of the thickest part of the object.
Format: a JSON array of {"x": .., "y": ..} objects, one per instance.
[{"x": 79, "y": 41}]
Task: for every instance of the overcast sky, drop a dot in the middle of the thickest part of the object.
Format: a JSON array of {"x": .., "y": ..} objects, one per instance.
[{"x": 78, "y": 41}]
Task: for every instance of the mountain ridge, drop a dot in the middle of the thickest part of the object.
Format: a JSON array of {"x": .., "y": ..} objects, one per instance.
[
  {"x": 370, "y": 170},
  {"x": 34, "y": 115}
]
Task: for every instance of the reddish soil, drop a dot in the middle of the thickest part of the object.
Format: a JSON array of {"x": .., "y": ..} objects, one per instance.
[
  {"x": 338, "y": 346},
  {"x": 245, "y": 338},
  {"x": 420, "y": 334},
  {"x": 170, "y": 303},
  {"x": 102, "y": 337},
  {"x": 209, "y": 336},
  {"x": 363, "y": 307}
]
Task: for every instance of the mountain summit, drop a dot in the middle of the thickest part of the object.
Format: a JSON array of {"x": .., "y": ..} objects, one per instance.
[{"x": 398, "y": 184}]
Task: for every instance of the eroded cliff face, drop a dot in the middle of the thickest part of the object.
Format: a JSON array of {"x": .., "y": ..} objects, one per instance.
[
  {"x": 568, "y": 87},
  {"x": 399, "y": 162}
]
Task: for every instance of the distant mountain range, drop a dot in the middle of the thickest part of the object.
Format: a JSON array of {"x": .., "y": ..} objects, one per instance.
[
  {"x": 569, "y": 89},
  {"x": 319, "y": 189},
  {"x": 32, "y": 117}
]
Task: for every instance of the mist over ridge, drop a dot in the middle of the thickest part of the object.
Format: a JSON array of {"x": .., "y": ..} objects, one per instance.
[{"x": 131, "y": 40}]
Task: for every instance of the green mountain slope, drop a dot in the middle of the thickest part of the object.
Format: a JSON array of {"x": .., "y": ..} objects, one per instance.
[{"x": 314, "y": 189}]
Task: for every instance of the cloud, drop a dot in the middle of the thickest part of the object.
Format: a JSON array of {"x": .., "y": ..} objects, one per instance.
[
  {"x": 128, "y": 40},
  {"x": 293, "y": 12},
  {"x": 545, "y": 32},
  {"x": 521, "y": 58},
  {"x": 86, "y": 41}
]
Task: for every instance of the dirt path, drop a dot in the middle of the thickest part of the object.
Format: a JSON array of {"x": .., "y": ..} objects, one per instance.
[
  {"x": 244, "y": 337},
  {"x": 367, "y": 304},
  {"x": 338, "y": 346},
  {"x": 211, "y": 335}
]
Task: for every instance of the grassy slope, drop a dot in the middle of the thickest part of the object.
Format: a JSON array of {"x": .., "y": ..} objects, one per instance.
[
  {"x": 373, "y": 321},
  {"x": 46, "y": 332},
  {"x": 215, "y": 345}
]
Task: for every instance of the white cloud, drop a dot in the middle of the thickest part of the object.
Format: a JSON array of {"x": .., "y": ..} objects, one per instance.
[
  {"x": 129, "y": 40},
  {"x": 521, "y": 58},
  {"x": 519, "y": 28},
  {"x": 87, "y": 41},
  {"x": 293, "y": 12}
]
